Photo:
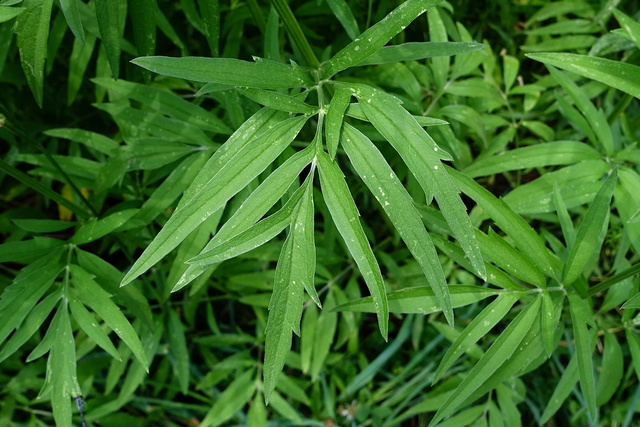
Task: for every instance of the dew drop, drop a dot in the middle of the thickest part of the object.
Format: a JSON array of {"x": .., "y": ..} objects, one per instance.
[
  {"x": 356, "y": 48},
  {"x": 435, "y": 168}
]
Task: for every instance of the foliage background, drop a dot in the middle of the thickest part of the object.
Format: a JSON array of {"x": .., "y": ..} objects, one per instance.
[{"x": 93, "y": 168}]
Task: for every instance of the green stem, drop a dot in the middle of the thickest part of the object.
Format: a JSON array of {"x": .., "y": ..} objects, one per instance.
[
  {"x": 294, "y": 30},
  {"x": 634, "y": 269}
]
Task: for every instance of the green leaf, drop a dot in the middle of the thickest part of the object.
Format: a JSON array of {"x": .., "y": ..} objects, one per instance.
[
  {"x": 347, "y": 219},
  {"x": 156, "y": 124},
  {"x": 622, "y": 76},
  {"x": 61, "y": 369},
  {"x": 107, "y": 12},
  {"x": 377, "y": 36},
  {"x": 8, "y": 13},
  {"x": 596, "y": 118},
  {"x": 421, "y": 299},
  {"x": 578, "y": 184},
  {"x": 43, "y": 225},
  {"x": 179, "y": 351},
  {"x": 581, "y": 316},
  {"x": 590, "y": 234},
  {"x": 31, "y": 324},
  {"x": 78, "y": 62},
  {"x": 294, "y": 272},
  {"x": 550, "y": 312},
  {"x": 500, "y": 351},
  {"x": 20, "y": 297},
  {"x": 533, "y": 156},
  {"x": 72, "y": 15},
  {"x": 88, "y": 324},
  {"x": 239, "y": 171},
  {"x": 341, "y": 10},
  {"x": 143, "y": 20},
  {"x": 612, "y": 370},
  {"x": 502, "y": 254},
  {"x": 96, "y": 141},
  {"x": 520, "y": 232},
  {"x": 478, "y": 328},
  {"x": 568, "y": 231},
  {"x": 254, "y": 207},
  {"x": 564, "y": 388},
  {"x": 378, "y": 176},
  {"x": 96, "y": 229},
  {"x": 165, "y": 102},
  {"x": 232, "y": 399},
  {"x": 418, "y": 51},
  {"x": 253, "y": 236},
  {"x": 32, "y": 30},
  {"x": 263, "y": 73},
  {"x": 278, "y": 101},
  {"x": 324, "y": 339},
  {"x": 92, "y": 295},
  {"x": 355, "y": 111},
  {"x": 334, "y": 118},
  {"x": 630, "y": 26},
  {"x": 210, "y": 13},
  {"x": 421, "y": 154}
]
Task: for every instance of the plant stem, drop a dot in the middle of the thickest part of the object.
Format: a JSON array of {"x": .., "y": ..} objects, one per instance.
[{"x": 294, "y": 30}]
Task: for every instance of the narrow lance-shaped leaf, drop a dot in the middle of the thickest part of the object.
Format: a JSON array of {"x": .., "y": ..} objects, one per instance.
[
  {"x": 92, "y": 295},
  {"x": 417, "y": 51},
  {"x": 564, "y": 388},
  {"x": 620, "y": 75},
  {"x": 254, "y": 207},
  {"x": 240, "y": 170},
  {"x": 345, "y": 215},
  {"x": 500, "y": 351},
  {"x": 581, "y": 316},
  {"x": 590, "y": 234},
  {"x": 61, "y": 368},
  {"x": 253, "y": 236},
  {"x": 232, "y": 399},
  {"x": 143, "y": 20},
  {"x": 72, "y": 15},
  {"x": 478, "y": 328},
  {"x": 107, "y": 12},
  {"x": 397, "y": 203},
  {"x": 335, "y": 115},
  {"x": 296, "y": 267},
  {"x": 278, "y": 101},
  {"x": 88, "y": 324},
  {"x": 521, "y": 233},
  {"x": 32, "y": 29},
  {"x": 19, "y": 298},
  {"x": 421, "y": 299},
  {"x": 263, "y": 73},
  {"x": 377, "y": 36},
  {"x": 421, "y": 154},
  {"x": 31, "y": 324}
]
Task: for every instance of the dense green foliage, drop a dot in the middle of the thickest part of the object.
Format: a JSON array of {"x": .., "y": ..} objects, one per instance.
[{"x": 332, "y": 212}]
